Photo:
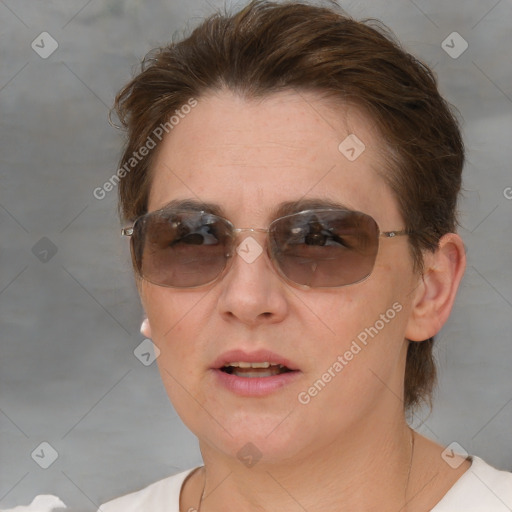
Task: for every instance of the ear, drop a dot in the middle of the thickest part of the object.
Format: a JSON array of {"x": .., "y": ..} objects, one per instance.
[
  {"x": 145, "y": 329},
  {"x": 435, "y": 295}
]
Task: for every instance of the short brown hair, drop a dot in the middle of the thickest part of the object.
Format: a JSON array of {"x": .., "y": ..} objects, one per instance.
[{"x": 269, "y": 47}]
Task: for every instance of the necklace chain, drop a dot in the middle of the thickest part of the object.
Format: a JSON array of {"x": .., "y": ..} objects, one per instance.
[
  {"x": 406, "y": 485},
  {"x": 408, "y": 473}
]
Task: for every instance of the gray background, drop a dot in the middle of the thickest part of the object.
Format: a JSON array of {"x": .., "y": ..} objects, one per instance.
[{"x": 69, "y": 325}]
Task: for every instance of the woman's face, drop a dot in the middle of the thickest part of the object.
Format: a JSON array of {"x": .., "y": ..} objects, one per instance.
[{"x": 346, "y": 344}]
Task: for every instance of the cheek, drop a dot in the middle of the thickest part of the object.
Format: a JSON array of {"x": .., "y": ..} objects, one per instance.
[
  {"x": 174, "y": 320},
  {"x": 364, "y": 323},
  {"x": 360, "y": 366},
  {"x": 177, "y": 331},
  {"x": 363, "y": 330}
]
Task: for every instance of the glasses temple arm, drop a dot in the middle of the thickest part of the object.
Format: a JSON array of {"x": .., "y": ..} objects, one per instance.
[{"x": 392, "y": 234}]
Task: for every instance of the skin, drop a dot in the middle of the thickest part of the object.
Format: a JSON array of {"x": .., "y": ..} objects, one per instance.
[{"x": 350, "y": 447}]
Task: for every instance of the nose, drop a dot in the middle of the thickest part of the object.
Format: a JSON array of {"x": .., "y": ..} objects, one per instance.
[{"x": 252, "y": 291}]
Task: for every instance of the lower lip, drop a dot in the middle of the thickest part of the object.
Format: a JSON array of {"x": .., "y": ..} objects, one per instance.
[{"x": 255, "y": 386}]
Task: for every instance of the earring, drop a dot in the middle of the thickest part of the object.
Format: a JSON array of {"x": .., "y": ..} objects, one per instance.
[{"x": 145, "y": 329}]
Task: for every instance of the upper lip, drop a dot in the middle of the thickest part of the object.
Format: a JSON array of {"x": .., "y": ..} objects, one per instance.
[{"x": 256, "y": 356}]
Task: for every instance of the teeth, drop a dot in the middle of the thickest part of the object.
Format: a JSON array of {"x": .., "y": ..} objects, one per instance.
[{"x": 243, "y": 364}]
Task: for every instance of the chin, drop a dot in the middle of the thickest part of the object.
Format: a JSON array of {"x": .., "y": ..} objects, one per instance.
[{"x": 268, "y": 440}]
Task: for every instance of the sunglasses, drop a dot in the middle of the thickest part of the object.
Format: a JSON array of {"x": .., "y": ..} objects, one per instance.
[{"x": 321, "y": 248}]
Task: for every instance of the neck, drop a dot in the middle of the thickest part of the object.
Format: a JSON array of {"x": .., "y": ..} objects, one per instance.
[{"x": 365, "y": 470}]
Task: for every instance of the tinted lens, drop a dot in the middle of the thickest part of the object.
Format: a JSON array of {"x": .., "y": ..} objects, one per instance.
[
  {"x": 183, "y": 249},
  {"x": 325, "y": 248}
]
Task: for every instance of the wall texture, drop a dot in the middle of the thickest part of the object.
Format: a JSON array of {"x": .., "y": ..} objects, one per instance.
[{"x": 69, "y": 311}]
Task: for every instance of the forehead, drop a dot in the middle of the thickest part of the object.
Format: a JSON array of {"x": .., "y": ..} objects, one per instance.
[{"x": 251, "y": 156}]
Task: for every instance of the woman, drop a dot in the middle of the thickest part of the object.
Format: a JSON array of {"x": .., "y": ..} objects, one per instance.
[{"x": 289, "y": 186}]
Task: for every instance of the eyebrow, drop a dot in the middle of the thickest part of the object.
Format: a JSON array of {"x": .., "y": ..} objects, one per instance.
[{"x": 280, "y": 210}]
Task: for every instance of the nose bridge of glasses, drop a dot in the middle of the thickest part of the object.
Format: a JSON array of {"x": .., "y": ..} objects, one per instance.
[
  {"x": 247, "y": 247},
  {"x": 251, "y": 230},
  {"x": 256, "y": 245}
]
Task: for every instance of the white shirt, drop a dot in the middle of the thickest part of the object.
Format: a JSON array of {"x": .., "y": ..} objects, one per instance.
[{"x": 481, "y": 488}]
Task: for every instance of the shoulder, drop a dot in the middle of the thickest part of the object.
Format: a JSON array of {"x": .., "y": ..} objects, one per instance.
[
  {"x": 161, "y": 496},
  {"x": 480, "y": 488}
]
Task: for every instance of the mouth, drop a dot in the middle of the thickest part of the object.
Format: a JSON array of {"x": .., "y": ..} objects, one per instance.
[
  {"x": 254, "y": 370},
  {"x": 254, "y": 373}
]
